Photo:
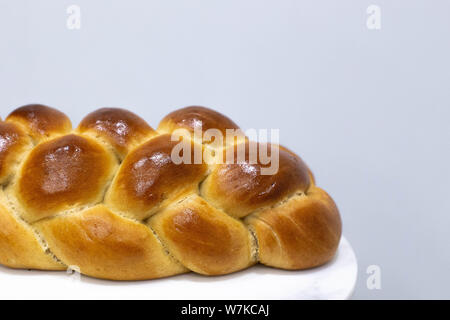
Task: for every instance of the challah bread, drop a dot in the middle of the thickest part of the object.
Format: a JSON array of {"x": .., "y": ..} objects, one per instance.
[{"x": 108, "y": 198}]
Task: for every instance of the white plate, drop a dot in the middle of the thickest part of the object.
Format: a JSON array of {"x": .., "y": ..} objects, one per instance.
[{"x": 335, "y": 280}]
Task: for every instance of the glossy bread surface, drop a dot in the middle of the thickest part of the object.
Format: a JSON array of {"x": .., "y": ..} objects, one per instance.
[
  {"x": 113, "y": 199},
  {"x": 40, "y": 121},
  {"x": 244, "y": 184},
  {"x": 13, "y": 143},
  {"x": 63, "y": 173},
  {"x": 121, "y": 128},
  {"x": 196, "y": 117},
  {"x": 148, "y": 179}
]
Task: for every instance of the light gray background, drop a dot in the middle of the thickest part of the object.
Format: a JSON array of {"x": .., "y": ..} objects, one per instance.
[{"x": 369, "y": 111}]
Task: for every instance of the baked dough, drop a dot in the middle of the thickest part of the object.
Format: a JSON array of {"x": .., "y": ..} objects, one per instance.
[{"x": 107, "y": 198}]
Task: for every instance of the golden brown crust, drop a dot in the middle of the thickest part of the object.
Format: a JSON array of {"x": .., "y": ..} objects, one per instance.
[
  {"x": 13, "y": 143},
  {"x": 194, "y": 117},
  {"x": 311, "y": 175},
  {"x": 19, "y": 244},
  {"x": 148, "y": 179},
  {"x": 110, "y": 198},
  {"x": 41, "y": 121},
  {"x": 299, "y": 234},
  {"x": 63, "y": 173},
  {"x": 202, "y": 238},
  {"x": 240, "y": 188},
  {"x": 105, "y": 245},
  {"x": 121, "y": 128}
]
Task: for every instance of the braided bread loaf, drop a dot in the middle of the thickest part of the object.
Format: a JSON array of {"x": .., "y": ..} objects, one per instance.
[{"x": 107, "y": 198}]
